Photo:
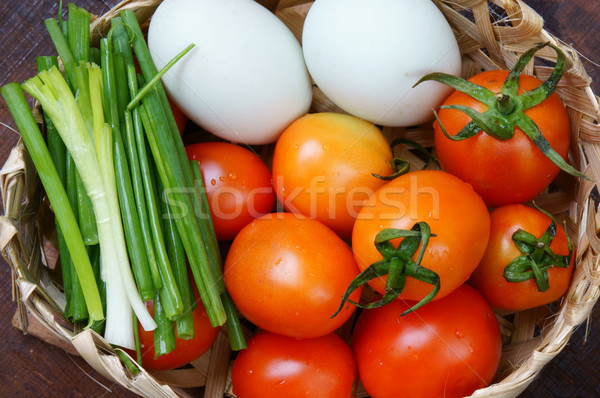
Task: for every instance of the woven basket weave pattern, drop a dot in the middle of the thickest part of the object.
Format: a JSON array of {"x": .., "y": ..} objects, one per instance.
[{"x": 491, "y": 35}]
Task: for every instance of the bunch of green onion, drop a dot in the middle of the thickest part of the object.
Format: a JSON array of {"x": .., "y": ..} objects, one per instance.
[{"x": 129, "y": 206}]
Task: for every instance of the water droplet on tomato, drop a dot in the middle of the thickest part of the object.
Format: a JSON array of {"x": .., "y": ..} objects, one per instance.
[
  {"x": 233, "y": 176},
  {"x": 221, "y": 178},
  {"x": 213, "y": 182},
  {"x": 459, "y": 333},
  {"x": 325, "y": 147},
  {"x": 295, "y": 146}
]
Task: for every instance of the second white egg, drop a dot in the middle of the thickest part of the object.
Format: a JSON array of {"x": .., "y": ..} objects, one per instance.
[{"x": 365, "y": 55}]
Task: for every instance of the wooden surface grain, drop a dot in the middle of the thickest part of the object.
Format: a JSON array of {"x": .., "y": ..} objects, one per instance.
[{"x": 30, "y": 367}]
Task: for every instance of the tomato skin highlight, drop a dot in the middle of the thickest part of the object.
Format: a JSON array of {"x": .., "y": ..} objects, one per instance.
[
  {"x": 238, "y": 185},
  {"x": 185, "y": 350},
  {"x": 502, "y": 172},
  {"x": 488, "y": 278},
  {"x": 453, "y": 210},
  {"x": 276, "y": 366},
  {"x": 287, "y": 274},
  {"x": 323, "y": 165},
  {"x": 447, "y": 348}
]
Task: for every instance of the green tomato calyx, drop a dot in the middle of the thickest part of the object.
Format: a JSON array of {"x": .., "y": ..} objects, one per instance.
[
  {"x": 401, "y": 166},
  {"x": 506, "y": 110},
  {"x": 537, "y": 257},
  {"x": 397, "y": 264}
]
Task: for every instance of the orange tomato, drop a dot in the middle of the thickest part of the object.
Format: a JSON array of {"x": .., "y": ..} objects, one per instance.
[{"x": 455, "y": 213}]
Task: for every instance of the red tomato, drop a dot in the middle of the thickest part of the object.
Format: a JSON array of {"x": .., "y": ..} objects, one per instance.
[
  {"x": 502, "y": 172},
  {"x": 180, "y": 117},
  {"x": 287, "y": 275},
  {"x": 488, "y": 278},
  {"x": 238, "y": 185},
  {"x": 185, "y": 350},
  {"x": 456, "y": 214},
  {"x": 276, "y": 366},
  {"x": 322, "y": 167},
  {"x": 447, "y": 348}
]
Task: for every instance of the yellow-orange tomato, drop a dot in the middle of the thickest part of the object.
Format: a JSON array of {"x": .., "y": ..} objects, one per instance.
[{"x": 323, "y": 165}]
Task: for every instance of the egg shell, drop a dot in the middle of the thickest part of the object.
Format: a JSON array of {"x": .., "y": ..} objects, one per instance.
[
  {"x": 365, "y": 55},
  {"x": 244, "y": 81}
]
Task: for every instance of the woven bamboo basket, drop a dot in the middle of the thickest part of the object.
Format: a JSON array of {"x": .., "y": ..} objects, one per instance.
[{"x": 491, "y": 35}]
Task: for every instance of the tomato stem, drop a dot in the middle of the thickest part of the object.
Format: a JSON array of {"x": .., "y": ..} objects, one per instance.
[
  {"x": 505, "y": 105},
  {"x": 397, "y": 264}
]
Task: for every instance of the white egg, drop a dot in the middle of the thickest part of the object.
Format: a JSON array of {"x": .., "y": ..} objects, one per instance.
[
  {"x": 365, "y": 55},
  {"x": 244, "y": 81}
]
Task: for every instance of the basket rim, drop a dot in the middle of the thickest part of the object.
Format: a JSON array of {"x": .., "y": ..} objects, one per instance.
[{"x": 579, "y": 302}]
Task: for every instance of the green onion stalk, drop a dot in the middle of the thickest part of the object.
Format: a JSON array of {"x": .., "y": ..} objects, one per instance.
[
  {"x": 93, "y": 156},
  {"x": 32, "y": 137}
]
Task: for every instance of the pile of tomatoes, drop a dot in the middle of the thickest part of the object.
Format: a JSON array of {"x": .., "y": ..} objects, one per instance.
[{"x": 322, "y": 216}]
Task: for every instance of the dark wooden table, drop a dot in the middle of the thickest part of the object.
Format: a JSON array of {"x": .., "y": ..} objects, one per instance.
[{"x": 30, "y": 367}]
